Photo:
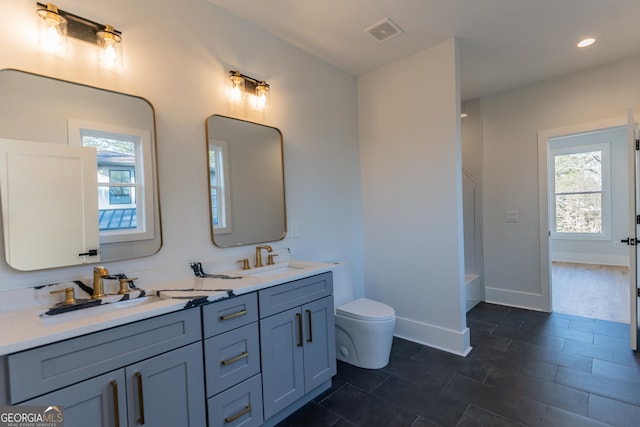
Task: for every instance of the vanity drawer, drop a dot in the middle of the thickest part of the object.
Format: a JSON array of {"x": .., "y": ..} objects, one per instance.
[
  {"x": 293, "y": 294},
  {"x": 53, "y": 366},
  {"x": 239, "y": 406},
  {"x": 225, "y": 315},
  {"x": 231, "y": 358}
]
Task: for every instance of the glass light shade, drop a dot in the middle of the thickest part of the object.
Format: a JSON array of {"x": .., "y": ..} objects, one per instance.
[
  {"x": 52, "y": 29},
  {"x": 110, "y": 44},
  {"x": 263, "y": 95},
  {"x": 236, "y": 86}
]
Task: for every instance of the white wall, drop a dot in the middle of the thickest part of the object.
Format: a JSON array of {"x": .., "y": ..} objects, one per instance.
[
  {"x": 412, "y": 195},
  {"x": 511, "y": 121},
  {"x": 177, "y": 56},
  {"x": 609, "y": 251}
]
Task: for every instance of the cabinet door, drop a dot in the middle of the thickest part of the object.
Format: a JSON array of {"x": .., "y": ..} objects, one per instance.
[
  {"x": 100, "y": 401},
  {"x": 320, "y": 343},
  {"x": 281, "y": 343},
  {"x": 167, "y": 390}
]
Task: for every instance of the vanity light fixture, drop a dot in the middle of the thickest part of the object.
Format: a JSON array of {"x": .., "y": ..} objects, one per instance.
[
  {"x": 236, "y": 86},
  {"x": 57, "y": 24},
  {"x": 110, "y": 46},
  {"x": 263, "y": 95},
  {"x": 239, "y": 84},
  {"x": 52, "y": 28}
]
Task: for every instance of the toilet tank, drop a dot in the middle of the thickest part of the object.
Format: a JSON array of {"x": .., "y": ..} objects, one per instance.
[{"x": 342, "y": 283}]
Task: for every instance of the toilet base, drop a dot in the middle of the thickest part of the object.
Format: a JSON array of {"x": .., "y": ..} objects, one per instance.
[{"x": 364, "y": 344}]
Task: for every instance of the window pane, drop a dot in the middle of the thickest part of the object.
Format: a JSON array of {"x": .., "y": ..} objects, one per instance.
[
  {"x": 579, "y": 213},
  {"x": 578, "y": 172}
]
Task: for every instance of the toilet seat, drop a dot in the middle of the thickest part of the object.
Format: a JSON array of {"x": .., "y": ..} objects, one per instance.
[{"x": 366, "y": 309}]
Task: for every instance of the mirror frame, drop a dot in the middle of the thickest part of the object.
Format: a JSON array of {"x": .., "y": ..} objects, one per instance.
[
  {"x": 108, "y": 251},
  {"x": 248, "y": 241}
]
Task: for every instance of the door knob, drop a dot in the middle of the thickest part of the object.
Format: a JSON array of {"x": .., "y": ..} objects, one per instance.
[{"x": 629, "y": 241}]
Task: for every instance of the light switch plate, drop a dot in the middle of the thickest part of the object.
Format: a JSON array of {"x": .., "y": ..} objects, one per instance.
[{"x": 512, "y": 216}]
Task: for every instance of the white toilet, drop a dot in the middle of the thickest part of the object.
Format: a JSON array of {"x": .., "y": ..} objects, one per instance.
[{"x": 364, "y": 327}]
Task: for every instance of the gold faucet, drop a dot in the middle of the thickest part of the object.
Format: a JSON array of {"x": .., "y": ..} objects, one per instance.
[
  {"x": 259, "y": 254},
  {"x": 99, "y": 273}
]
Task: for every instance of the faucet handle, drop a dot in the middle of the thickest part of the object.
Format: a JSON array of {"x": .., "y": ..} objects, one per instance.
[
  {"x": 69, "y": 295},
  {"x": 124, "y": 284},
  {"x": 270, "y": 259},
  {"x": 245, "y": 263}
]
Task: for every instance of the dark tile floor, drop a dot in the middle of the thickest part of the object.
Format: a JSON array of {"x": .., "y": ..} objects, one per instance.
[{"x": 526, "y": 369}]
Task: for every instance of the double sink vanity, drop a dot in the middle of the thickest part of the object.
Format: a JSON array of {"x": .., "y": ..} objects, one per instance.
[{"x": 247, "y": 347}]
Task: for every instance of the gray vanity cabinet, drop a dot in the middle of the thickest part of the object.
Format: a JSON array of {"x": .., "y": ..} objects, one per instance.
[
  {"x": 144, "y": 373},
  {"x": 232, "y": 362},
  {"x": 167, "y": 390},
  {"x": 99, "y": 401},
  {"x": 297, "y": 338}
]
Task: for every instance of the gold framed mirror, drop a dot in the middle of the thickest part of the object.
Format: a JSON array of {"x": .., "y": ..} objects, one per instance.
[{"x": 246, "y": 182}]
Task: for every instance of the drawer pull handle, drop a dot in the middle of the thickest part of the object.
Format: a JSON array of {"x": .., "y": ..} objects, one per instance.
[
  {"x": 232, "y": 418},
  {"x": 116, "y": 408},
  {"x": 140, "y": 398},
  {"x": 232, "y": 315},
  {"x": 300, "y": 338},
  {"x": 310, "y": 327},
  {"x": 235, "y": 359}
]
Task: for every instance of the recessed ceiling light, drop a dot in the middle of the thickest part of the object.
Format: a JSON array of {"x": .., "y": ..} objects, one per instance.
[{"x": 586, "y": 42}]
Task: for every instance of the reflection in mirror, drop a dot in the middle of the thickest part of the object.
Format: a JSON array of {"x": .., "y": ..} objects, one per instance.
[
  {"x": 119, "y": 129},
  {"x": 246, "y": 182}
]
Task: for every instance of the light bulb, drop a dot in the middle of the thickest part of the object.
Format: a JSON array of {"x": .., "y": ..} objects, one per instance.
[
  {"x": 261, "y": 100},
  {"x": 52, "y": 29},
  {"x": 110, "y": 47},
  {"x": 236, "y": 88}
]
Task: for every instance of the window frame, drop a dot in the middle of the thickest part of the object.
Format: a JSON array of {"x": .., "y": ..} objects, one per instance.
[
  {"x": 143, "y": 175},
  {"x": 560, "y": 150},
  {"x": 223, "y": 185}
]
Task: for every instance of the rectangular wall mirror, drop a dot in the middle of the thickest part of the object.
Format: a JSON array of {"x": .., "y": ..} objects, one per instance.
[
  {"x": 246, "y": 182},
  {"x": 43, "y": 120}
]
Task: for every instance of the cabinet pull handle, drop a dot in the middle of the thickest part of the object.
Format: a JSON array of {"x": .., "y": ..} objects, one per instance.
[
  {"x": 310, "y": 339},
  {"x": 300, "y": 339},
  {"x": 140, "y": 398},
  {"x": 232, "y": 418},
  {"x": 235, "y": 359},
  {"x": 232, "y": 315},
  {"x": 116, "y": 408}
]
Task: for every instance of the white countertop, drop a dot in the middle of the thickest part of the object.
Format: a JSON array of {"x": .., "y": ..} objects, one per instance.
[{"x": 24, "y": 329}]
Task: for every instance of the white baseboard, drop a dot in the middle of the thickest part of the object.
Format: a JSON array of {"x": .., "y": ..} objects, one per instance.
[
  {"x": 585, "y": 258},
  {"x": 511, "y": 298},
  {"x": 457, "y": 342}
]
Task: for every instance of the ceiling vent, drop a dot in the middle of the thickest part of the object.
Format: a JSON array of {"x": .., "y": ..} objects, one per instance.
[{"x": 384, "y": 30}]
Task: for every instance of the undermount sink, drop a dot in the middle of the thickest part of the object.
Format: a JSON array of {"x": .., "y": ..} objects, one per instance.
[
  {"x": 84, "y": 310},
  {"x": 275, "y": 270}
]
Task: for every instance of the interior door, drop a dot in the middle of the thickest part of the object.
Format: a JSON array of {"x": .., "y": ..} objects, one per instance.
[{"x": 634, "y": 211}]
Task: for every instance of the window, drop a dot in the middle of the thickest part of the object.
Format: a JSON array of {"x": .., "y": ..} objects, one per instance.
[
  {"x": 119, "y": 191},
  {"x": 581, "y": 191},
  {"x": 219, "y": 187},
  {"x": 124, "y": 179}
]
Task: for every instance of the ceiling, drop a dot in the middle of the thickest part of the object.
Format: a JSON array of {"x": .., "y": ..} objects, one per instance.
[{"x": 503, "y": 43}]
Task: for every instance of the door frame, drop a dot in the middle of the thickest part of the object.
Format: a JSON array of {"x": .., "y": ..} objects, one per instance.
[{"x": 543, "y": 193}]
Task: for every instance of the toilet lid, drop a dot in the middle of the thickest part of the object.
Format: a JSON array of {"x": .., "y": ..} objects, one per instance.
[{"x": 366, "y": 309}]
